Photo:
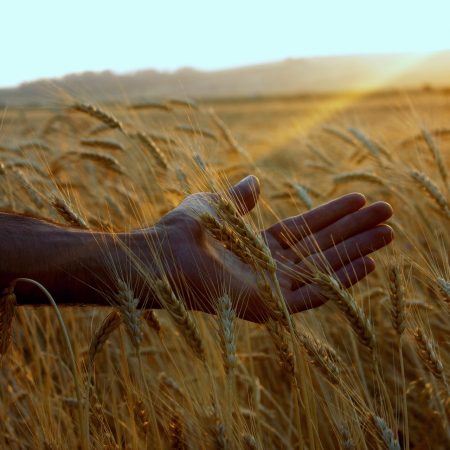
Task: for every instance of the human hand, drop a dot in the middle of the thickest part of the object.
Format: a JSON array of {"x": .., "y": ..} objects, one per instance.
[{"x": 336, "y": 236}]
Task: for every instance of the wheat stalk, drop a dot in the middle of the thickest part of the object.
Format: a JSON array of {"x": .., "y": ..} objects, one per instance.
[
  {"x": 7, "y": 311},
  {"x": 84, "y": 424}
]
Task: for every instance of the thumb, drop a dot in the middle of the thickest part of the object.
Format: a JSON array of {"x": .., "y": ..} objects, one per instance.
[{"x": 245, "y": 194}]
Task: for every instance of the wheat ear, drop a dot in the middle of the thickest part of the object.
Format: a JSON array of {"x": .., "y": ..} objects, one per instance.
[
  {"x": 225, "y": 234},
  {"x": 226, "y": 318},
  {"x": 226, "y": 134},
  {"x": 107, "y": 119},
  {"x": 444, "y": 289},
  {"x": 177, "y": 439},
  {"x": 106, "y": 161},
  {"x": 374, "y": 148},
  {"x": 249, "y": 442},
  {"x": 149, "y": 144},
  {"x": 285, "y": 355},
  {"x": 332, "y": 290},
  {"x": 398, "y": 317},
  {"x": 358, "y": 176},
  {"x": 321, "y": 355},
  {"x": 67, "y": 213},
  {"x": 303, "y": 195},
  {"x": 397, "y": 295},
  {"x": 386, "y": 433},
  {"x": 181, "y": 317},
  {"x": 195, "y": 131},
  {"x": 433, "y": 191},
  {"x": 428, "y": 353},
  {"x": 104, "y": 144},
  {"x": 170, "y": 383},
  {"x": 254, "y": 241},
  {"x": 34, "y": 195},
  {"x": 131, "y": 316},
  {"x": 141, "y": 416},
  {"x": 336, "y": 132},
  {"x": 151, "y": 319},
  {"x": 111, "y": 323},
  {"x": 436, "y": 154}
]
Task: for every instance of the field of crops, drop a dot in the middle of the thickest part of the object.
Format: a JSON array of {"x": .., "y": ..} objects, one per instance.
[{"x": 366, "y": 370}]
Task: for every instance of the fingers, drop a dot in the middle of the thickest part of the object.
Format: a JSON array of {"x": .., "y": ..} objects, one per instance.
[
  {"x": 351, "y": 249},
  {"x": 345, "y": 228},
  {"x": 245, "y": 194},
  {"x": 309, "y": 296},
  {"x": 295, "y": 228}
]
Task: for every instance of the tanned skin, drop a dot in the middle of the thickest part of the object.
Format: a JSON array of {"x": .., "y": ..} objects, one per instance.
[{"x": 78, "y": 267}]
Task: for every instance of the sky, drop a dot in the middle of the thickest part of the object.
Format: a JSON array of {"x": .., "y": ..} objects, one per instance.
[{"x": 45, "y": 38}]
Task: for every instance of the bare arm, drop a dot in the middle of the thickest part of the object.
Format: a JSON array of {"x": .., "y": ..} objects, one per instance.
[{"x": 74, "y": 265}]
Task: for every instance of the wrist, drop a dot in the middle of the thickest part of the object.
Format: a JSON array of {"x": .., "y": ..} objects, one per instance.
[{"x": 136, "y": 257}]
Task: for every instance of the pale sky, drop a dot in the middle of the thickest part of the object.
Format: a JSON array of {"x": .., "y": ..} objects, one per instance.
[{"x": 45, "y": 38}]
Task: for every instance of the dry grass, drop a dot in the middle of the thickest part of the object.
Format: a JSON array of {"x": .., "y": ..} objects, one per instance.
[{"x": 183, "y": 379}]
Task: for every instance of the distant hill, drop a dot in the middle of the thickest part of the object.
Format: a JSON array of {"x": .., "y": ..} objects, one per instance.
[{"x": 312, "y": 75}]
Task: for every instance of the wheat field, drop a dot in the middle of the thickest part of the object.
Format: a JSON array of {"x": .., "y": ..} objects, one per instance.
[{"x": 367, "y": 370}]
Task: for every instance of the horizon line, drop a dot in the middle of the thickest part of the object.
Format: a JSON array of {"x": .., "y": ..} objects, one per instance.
[{"x": 223, "y": 68}]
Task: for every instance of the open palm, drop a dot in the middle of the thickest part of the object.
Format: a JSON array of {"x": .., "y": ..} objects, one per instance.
[{"x": 336, "y": 236}]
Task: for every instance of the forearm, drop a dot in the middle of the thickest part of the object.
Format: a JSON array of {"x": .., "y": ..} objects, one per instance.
[{"x": 78, "y": 267}]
